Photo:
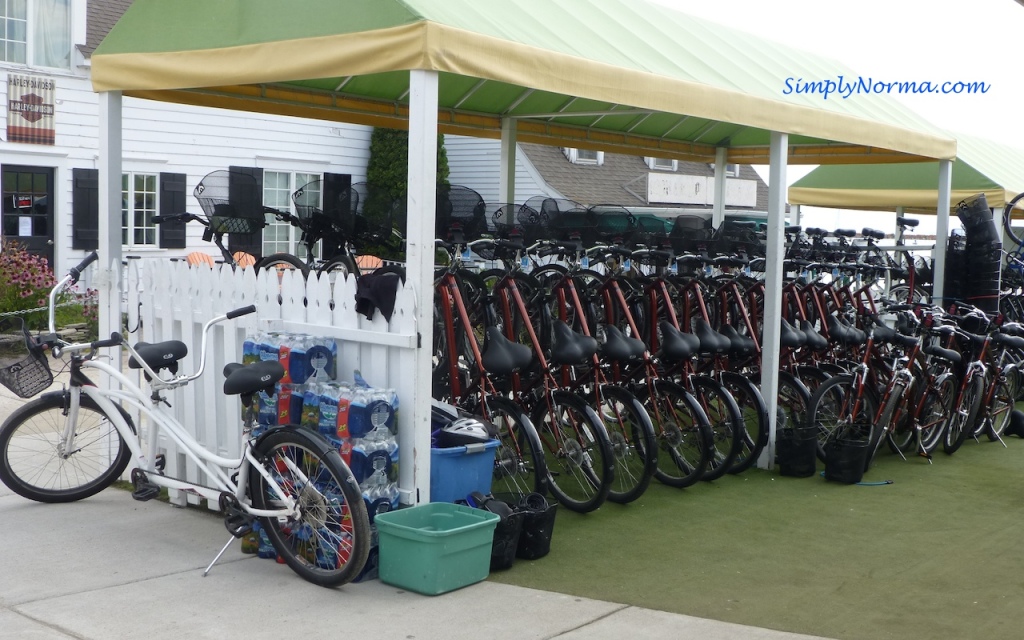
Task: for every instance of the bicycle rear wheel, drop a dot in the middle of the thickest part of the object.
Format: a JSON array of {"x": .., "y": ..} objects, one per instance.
[
  {"x": 330, "y": 540},
  {"x": 633, "y": 443},
  {"x": 33, "y": 460},
  {"x": 726, "y": 424},
  {"x": 754, "y": 435},
  {"x": 280, "y": 262},
  {"x": 578, "y": 454},
  {"x": 684, "y": 435},
  {"x": 519, "y": 460}
]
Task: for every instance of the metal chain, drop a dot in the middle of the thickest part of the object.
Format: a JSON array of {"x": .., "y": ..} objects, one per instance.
[{"x": 25, "y": 311}]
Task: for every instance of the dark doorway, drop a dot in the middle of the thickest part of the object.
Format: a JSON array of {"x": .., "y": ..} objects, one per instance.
[{"x": 27, "y": 209}]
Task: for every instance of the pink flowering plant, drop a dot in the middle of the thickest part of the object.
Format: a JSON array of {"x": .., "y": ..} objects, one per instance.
[{"x": 25, "y": 283}]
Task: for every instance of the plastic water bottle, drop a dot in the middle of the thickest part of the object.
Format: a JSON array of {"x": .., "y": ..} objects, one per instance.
[
  {"x": 250, "y": 349},
  {"x": 328, "y": 423},
  {"x": 311, "y": 407},
  {"x": 266, "y": 548}
]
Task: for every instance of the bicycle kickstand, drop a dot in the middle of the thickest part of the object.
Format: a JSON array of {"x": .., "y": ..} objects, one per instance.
[{"x": 219, "y": 554}]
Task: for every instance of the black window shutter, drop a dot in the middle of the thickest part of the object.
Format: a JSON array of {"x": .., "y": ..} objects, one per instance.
[
  {"x": 333, "y": 186},
  {"x": 85, "y": 209},
  {"x": 172, "y": 200},
  {"x": 246, "y": 196}
]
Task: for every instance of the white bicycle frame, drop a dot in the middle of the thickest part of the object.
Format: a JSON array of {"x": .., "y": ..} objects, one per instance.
[{"x": 217, "y": 469}]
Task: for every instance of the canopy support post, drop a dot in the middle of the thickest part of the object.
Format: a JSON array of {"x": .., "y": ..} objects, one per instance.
[
  {"x": 794, "y": 210},
  {"x": 414, "y": 434},
  {"x": 507, "y": 173},
  {"x": 941, "y": 231},
  {"x": 108, "y": 267},
  {"x": 718, "y": 207},
  {"x": 772, "y": 320}
]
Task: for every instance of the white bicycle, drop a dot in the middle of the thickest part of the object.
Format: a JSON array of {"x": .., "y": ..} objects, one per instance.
[{"x": 71, "y": 444}]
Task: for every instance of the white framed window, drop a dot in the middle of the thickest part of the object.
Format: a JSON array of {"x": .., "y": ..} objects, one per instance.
[
  {"x": 583, "y": 156},
  {"x": 138, "y": 208},
  {"x": 278, "y": 187},
  {"x": 36, "y": 33},
  {"x": 732, "y": 170},
  {"x": 662, "y": 164}
]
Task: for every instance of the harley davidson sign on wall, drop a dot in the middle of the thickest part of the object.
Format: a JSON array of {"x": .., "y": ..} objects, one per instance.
[{"x": 30, "y": 101}]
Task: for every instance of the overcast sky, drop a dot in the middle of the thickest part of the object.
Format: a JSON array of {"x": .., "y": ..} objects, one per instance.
[{"x": 903, "y": 40}]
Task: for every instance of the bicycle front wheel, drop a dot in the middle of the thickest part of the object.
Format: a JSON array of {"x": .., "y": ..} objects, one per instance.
[
  {"x": 36, "y": 463},
  {"x": 328, "y": 542},
  {"x": 963, "y": 416},
  {"x": 1003, "y": 399},
  {"x": 839, "y": 405},
  {"x": 578, "y": 454}
]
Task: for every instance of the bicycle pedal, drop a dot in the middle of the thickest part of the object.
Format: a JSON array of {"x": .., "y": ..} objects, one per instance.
[
  {"x": 160, "y": 462},
  {"x": 144, "y": 489},
  {"x": 236, "y": 520}
]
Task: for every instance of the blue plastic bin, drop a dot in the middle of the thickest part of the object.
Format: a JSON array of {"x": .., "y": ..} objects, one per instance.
[{"x": 456, "y": 472}]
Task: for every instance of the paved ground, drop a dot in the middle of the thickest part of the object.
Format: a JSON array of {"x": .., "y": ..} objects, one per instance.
[{"x": 110, "y": 567}]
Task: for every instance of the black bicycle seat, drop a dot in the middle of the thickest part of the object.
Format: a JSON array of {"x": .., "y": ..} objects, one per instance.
[
  {"x": 742, "y": 345},
  {"x": 569, "y": 347},
  {"x": 907, "y": 222},
  {"x": 619, "y": 347},
  {"x": 161, "y": 355},
  {"x": 502, "y": 356},
  {"x": 791, "y": 337},
  {"x": 815, "y": 340},
  {"x": 945, "y": 354},
  {"x": 844, "y": 233},
  {"x": 710, "y": 340},
  {"x": 250, "y": 378},
  {"x": 676, "y": 345}
]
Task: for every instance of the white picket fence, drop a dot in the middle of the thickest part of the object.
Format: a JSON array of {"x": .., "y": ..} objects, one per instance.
[{"x": 174, "y": 301}]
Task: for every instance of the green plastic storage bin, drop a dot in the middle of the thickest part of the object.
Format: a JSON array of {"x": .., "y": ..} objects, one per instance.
[{"x": 435, "y": 548}]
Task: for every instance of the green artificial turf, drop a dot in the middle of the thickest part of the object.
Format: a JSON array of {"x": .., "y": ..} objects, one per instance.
[{"x": 939, "y": 553}]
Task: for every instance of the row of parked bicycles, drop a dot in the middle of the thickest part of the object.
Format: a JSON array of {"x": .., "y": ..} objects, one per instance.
[
  {"x": 636, "y": 354},
  {"x": 610, "y": 348}
]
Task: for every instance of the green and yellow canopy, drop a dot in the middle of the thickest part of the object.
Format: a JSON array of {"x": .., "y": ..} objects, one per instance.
[{"x": 618, "y": 75}]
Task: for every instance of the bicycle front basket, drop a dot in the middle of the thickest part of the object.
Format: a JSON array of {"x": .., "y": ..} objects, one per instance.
[{"x": 23, "y": 365}]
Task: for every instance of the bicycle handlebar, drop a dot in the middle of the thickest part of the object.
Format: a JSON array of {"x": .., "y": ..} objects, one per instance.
[
  {"x": 242, "y": 311},
  {"x": 76, "y": 272}
]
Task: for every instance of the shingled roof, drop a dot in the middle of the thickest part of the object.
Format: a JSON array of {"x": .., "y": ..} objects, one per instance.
[
  {"x": 101, "y": 16},
  {"x": 620, "y": 180}
]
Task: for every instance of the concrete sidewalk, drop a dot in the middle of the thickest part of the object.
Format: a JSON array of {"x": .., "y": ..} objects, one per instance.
[{"x": 110, "y": 567}]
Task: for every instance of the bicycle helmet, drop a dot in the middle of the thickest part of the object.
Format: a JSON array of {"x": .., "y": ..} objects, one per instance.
[{"x": 463, "y": 431}]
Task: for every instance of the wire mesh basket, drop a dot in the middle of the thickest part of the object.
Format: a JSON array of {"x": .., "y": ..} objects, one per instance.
[
  {"x": 691, "y": 234},
  {"x": 24, "y": 368},
  {"x": 232, "y": 202},
  {"x": 460, "y": 210},
  {"x": 558, "y": 219}
]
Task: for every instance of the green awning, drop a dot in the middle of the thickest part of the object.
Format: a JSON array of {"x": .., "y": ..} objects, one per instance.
[
  {"x": 614, "y": 75},
  {"x": 982, "y": 166}
]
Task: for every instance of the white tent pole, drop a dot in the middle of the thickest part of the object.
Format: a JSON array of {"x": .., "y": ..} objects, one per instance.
[
  {"x": 773, "y": 288},
  {"x": 941, "y": 230},
  {"x": 507, "y": 177},
  {"x": 422, "y": 197},
  {"x": 898, "y": 233},
  {"x": 109, "y": 243},
  {"x": 718, "y": 207},
  {"x": 794, "y": 210}
]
